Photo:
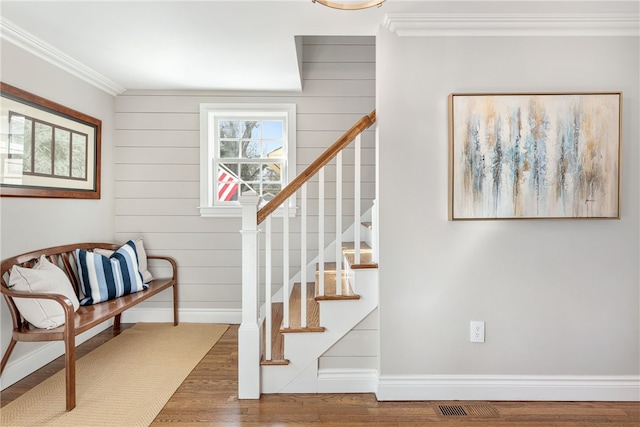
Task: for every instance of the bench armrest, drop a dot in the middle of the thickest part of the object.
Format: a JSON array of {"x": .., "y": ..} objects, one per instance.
[
  {"x": 174, "y": 264},
  {"x": 65, "y": 302}
]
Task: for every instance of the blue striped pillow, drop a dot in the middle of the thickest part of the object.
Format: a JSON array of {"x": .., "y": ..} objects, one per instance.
[{"x": 104, "y": 278}]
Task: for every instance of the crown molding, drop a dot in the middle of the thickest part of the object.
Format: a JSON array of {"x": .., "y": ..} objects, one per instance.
[
  {"x": 514, "y": 24},
  {"x": 43, "y": 50}
]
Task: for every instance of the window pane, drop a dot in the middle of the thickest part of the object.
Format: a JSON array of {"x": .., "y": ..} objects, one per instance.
[
  {"x": 229, "y": 149},
  {"x": 249, "y": 172},
  {"x": 272, "y": 129},
  {"x": 251, "y": 149},
  {"x": 271, "y": 172},
  {"x": 270, "y": 190},
  {"x": 43, "y": 140},
  {"x": 227, "y": 183},
  {"x": 62, "y": 160},
  {"x": 79, "y": 156},
  {"x": 230, "y": 167},
  {"x": 249, "y": 187},
  {"x": 273, "y": 150},
  {"x": 251, "y": 130},
  {"x": 229, "y": 129}
]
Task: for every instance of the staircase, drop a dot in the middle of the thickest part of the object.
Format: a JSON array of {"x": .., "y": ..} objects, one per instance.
[{"x": 280, "y": 342}]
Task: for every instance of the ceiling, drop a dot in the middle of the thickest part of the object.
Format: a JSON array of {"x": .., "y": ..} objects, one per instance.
[
  {"x": 206, "y": 44},
  {"x": 219, "y": 45}
]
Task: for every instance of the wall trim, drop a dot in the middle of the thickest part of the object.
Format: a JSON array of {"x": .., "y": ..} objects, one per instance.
[
  {"x": 43, "y": 50},
  {"x": 510, "y": 387},
  {"x": 513, "y": 24},
  {"x": 347, "y": 380}
]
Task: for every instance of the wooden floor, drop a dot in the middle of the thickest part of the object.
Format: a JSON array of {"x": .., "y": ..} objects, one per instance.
[{"x": 208, "y": 397}]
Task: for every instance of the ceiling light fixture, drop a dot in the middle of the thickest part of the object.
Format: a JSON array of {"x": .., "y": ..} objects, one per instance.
[{"x": 351, "y": 6}]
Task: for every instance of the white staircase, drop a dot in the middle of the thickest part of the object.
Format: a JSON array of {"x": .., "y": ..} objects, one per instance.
[
  {"x": 336, "y": 316},
  {"x": 281, "y": 341}
]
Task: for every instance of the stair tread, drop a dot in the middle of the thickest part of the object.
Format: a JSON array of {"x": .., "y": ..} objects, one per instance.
[
  {"x": 277, "y": 341},
  {"x": 330, "y": 293},
  {"x": 313, "y": 310},
  {"x": 366, "y": 255},
  {"x": 368, "y": 225}
]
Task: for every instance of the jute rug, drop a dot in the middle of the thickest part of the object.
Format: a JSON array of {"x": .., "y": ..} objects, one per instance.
[{"x": 124, "y": 382}]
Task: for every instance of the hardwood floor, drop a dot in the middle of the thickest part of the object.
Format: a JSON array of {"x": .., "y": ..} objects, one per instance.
[{"x": 208, "y": 397}]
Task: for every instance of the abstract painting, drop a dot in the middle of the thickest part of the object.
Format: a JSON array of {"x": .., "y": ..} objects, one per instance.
[{"x": 551, "y": 155}]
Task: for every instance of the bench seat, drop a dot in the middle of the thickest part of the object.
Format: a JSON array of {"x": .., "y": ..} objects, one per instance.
[{"x": 86, "y": 317}]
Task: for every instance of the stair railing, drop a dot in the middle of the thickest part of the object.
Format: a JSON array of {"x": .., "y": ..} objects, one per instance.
[{"x": 250, "y": 338}]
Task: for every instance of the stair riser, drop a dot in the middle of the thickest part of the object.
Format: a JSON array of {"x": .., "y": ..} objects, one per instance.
[{"x": 304, "y": 349}]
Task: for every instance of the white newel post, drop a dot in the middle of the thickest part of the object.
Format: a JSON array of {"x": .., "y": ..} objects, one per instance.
[{"x": 249, "y": 333}]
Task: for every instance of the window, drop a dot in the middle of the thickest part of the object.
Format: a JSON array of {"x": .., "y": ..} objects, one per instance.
[{"x": 244, "y": 147}]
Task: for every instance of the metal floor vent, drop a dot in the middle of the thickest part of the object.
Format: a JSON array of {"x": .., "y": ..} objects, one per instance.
[
  {"x": 477, "y": 411},
  {"x": 452, "y": 411}
]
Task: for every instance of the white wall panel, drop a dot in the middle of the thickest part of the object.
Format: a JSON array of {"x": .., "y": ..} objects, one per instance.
[
  {"x": 157, "y": 167},
  {"x": 157, "y": 190},
  {"x": 155, "y": 173},
  {"x": 158, "y": 155},
  {"x": 362, "y": 88},
  {"x": 157, "y": 138},
  {"x": 158, "y": 121},
  {"x": 338, "y": 71},
  {"x": 319, "y": 53}
]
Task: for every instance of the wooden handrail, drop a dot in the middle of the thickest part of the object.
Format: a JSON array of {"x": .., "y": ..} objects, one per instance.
[{"x": 364, "y": 123}]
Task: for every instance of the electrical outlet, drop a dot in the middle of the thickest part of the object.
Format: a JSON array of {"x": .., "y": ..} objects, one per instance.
[{"x": 477, "y": 331}]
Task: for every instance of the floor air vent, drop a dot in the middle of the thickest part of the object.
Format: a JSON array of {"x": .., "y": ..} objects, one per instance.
[
  {"x": 476, "y": 411},
  {"x": 452, "y": 411}
]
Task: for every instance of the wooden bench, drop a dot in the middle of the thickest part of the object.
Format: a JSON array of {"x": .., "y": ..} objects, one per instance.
[{"x": 86, "y": 317}]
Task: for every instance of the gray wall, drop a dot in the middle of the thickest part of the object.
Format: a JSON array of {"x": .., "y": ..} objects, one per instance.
[
  {"x": 33, "y": 223},
  {"x": 559, "y": 297},
  {"x": 157, "y": 167}
]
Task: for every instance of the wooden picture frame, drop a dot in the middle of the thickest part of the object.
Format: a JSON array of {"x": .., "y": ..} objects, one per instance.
[
  {"x": 46, "y": 149},
  {"x": 534, "y": 155}
]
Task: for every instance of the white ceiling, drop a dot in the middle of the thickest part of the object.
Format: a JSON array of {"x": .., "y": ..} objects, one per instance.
[
  {"x": 206, "y": 44},
  {"x": 238, "y": 45}
]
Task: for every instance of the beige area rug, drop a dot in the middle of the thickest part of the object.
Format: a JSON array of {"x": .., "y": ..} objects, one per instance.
[{"x": 124, "y": 382}]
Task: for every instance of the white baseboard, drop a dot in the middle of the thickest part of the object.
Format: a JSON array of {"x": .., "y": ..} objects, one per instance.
[
  {"x": 347, "y": 380},
  {"x": 510, "y": 387},
  {"x": 18, "y": 368}
]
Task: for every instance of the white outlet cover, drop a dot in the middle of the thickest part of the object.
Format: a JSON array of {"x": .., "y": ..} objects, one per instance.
[{"x": 476, "y": 331}]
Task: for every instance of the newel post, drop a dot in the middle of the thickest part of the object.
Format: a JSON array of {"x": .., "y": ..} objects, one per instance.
[{"x": 249, "y": 333}]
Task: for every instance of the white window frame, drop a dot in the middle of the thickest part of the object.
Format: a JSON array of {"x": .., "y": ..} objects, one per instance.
[{"x": 208, "y": 114}]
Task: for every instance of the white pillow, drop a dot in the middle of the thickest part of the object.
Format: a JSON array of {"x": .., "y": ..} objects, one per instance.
[
  {"x": 44, "y": 277},
  {"x": 142, "y": 259}
]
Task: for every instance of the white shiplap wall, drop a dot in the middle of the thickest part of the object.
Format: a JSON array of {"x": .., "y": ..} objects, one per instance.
[{"x": 157, "y": 177}]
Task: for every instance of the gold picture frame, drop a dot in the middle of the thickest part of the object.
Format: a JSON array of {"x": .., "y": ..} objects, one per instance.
[
  {"x": 46, "y": 149},
  {"x": 534, "y": 155}
]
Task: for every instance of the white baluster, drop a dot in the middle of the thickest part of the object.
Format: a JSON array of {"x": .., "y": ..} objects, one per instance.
[
  {"x": 285, "y": 266},
  {"x": 303, "y": 257},
  {"x": 356, "y": 202},
  {"x": 339, "y": 223},
  {"x": 321, "y": 232}
]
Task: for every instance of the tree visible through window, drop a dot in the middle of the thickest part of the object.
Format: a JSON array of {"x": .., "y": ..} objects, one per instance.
[{"x": 249, "y": 148}]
